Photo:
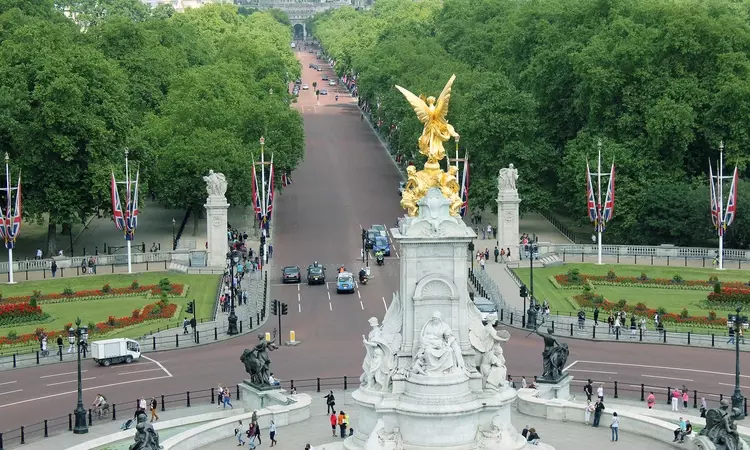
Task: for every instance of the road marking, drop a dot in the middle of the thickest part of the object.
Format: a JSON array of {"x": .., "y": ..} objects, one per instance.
[
  {"x": 397, "y": 255},
  {"x": 59, "y": 394},
  {"x": 70, "y": 381},
  {"x": 361, "y": 305},
  {"x": 360, "y": 227},
  {"x": 358, "y": 294},
  {"x": 299, "y": 298},
  {"x": 11, "y": 392},
  {"x": 385, "y": 304},
  {"x": 329, "y": 295},
  {"x": 298, "y": 288},
  {"x": 660, "y": 367},
  {"x": 158, "y": 364},
  {"x": 8, "y": 382},
  {"x": 591, "y": 371},
  {"x": 299, "y": 307},
  {"x": 356, "y": 285},
  {"x": 330, "y": 306},
  {"x": 570, "y": 365},
  {"x": 138, "y": 371},
  {"x": 327, "y": 285},
  {"x": 652, "y": 388},
  {"x": 723, "y": 384},
  {"x": 666, "y": 378},
  {"x": 61, "y": 374}
]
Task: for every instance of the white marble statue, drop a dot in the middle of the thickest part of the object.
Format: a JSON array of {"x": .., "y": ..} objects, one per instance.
[
  {"x": 487, "y": 342},
  {"x": 506, "y": 180},
  {"x": 438, "y": 352},
  {"x": 382, "y": 344},
  {"x": 216, "y": 184}
]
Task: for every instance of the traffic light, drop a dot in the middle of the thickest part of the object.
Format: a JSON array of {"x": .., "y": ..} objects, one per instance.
[
  {"x": 262, "y": 240},
  {"x": 275, "y": 307},
  {"x": 524, "y": 292},
  {"x": 191, "y": 307},
  {"x": 284, "y": 310},
  {"x": 364, "y": 234}
]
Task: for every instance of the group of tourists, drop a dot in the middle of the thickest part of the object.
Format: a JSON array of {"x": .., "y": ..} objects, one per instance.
[{"x": 252, "y": 434}]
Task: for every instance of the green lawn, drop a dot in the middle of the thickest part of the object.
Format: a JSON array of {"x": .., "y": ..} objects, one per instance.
[
  {"x": 201, "y": 288},
  {"x": 673, "y": 300}
]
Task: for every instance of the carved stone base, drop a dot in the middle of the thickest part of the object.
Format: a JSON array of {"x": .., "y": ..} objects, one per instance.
[
  {"x": 559, "y": 389},
  {"x": 258, "y": 397}
]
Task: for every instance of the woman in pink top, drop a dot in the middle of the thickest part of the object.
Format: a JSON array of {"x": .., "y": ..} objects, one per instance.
[
  {"x": 685, "y": 398},
  {"x": 651, "y": 400}
]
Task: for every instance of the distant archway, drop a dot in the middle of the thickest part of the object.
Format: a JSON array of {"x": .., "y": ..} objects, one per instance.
[{"x": 299, "y": 31}]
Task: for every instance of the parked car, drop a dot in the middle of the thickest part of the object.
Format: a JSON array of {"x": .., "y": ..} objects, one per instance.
[
  {"x": 323, "y": 92},
  {"x": 114, "y": 351},
  {"x": 291, "y": 274},
  {"x": 316, "y": 274},
  {"x": 305, "y": 87},
  {"x": 345, "y": 283},
  {"x": 325, "y": 77},
  {"x": 332, "y": 83}
]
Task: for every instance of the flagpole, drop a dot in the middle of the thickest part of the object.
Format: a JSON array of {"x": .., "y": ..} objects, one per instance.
[
  {"x": 127, "y": 192},
  {"x": 599, "y": 206},
  {"x": 7, "y": 213},
  {"x": 261, "y": 194},
  {"x": 720, "y": 219}
]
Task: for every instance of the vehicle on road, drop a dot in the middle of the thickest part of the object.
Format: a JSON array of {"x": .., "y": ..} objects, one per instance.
[
  {"x": 114, "y": 351},
  {"x": 381, "y": 244},
  {"x": 487, "y": 308},
  {"x": 319, "y": 69},
  {"x": 371, "y": 234},
  {"x": 380, "y": 228},
  {"x": 316, "y": 274},
  {"x": 325, "y": 77},
  {"x": 291, "y": 274},
  {"x": 332, "y": 83},
  {"x": 294, "y": 45},
  {"x": 401, "y": 187},
  {"x": 380, "y": 258},
  {"x": 345, "y": 283},
  {"x": 305, "y": 87},
  {"x": 323, "y": 92}
]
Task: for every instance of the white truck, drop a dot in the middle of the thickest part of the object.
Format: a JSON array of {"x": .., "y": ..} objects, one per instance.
[{"x": 114, "y": 351}]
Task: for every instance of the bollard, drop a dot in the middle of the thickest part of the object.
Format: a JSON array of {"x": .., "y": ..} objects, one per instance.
[
  {"x": 1, "y": 441},
  {"x": 745, "y": 406},
  {"x": 240, "y": 327},
  {"x": 251, "y": 322},
  {"x": 197, "y": 337},
  {"x": 615, "y": 389},
  {"x": 523, "y": 321},
  {"x": 665, "y": 336},
  {"x": 571, "y": 329},
  {"x": 553, "y": 326},
  {"x": 216, "y": 336},
  {"x": 712, "y": 339},
  {"x": 70, "y": 422},
  {"x": 345, "y": 383},
  {"x": 176, "y": 340},
  {"x": 617, "y": 333},
  {"x": 292, "y": 336},
  {"x": 501, "y": 315},
  {"x": 268, "y": 337},
  {"x": 23, "y": 435},
  {"x": 688, "y": 338},
  {"x": 318, "y": 384},
  {"x": 669, "y": 396},
  {"x": 114, "y": 411},
  {"x": 187, "y": 395},
  {"x": 212, "y": 395},
  {"x": 695, "y": 399},
  {"x": 237, "y": 391},
  {"x": 257, "y": 318},
  {"x": 721, "y": 397},
  {"x": 46, "y": 429},
  {"x": 14, "y": 364},
  {"x": 90, "y": 418},
  {"x": 640, "y": 333},
  {"x": 37, "y": 357},
  {"x": 162, "y": 402},
  {"x": 593, "y": 332},
  {"x": 511, "y": 318},
  {"x": 643, "y": 389},
  {"x": 153, "y": 343},
  {"x": 291, "y": 383}
]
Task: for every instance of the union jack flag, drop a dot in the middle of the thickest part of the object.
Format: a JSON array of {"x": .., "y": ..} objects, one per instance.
[
  {"x": 609, "y": 203},
  {"x": 465, "y": 187},
  {"x": 286, "y": 180},
  {"x": 117, "y": 216},
  {"x": 269, "y": 204},
  {"x": 131, "y": 222},
  {"x": 731, "y": 201},
  {"x": 256, "y": 197},
  {"x": 13, "y": 220},
  {"x": 714, "y": 200},
  {"x": 590, "y": 199}
]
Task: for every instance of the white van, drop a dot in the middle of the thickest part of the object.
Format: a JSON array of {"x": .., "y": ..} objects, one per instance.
[{"x": 114, "y": 351}]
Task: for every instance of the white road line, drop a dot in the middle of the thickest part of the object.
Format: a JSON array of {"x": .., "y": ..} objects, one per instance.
[
  {"x": 361, "y": 305},
  {"x": 330, "y": 306},
  {"x": 8, "y": 382},
  {"x": 59, "y": 394},
  {"x": 397, "y": 255},
  {"x": 329, "y": 295},
  {"x": 298, "y": 288},
  {"x": 61, "y": 374},
  {"x": 299, "y": 307},
  {"x": 356, "y": 285},
  {"x": 70, "y": 381},
  {"x": 570, "y": 365},
  {"x": 158, "y": 364},
  {"x": 591, "y": 371},
  {"x": 660, "y": 367},
  {"x": 11, "y": 392},
  {"x": 359, "y": 295},
  {"x": 652, "y": 388},
  {"x": 138, "y": 371},
  {"x": 723, "y": 384},
  {"x": 385, "y": 304},
  {"x": 666, "y": 378},
  {"x": 299, "y": 298}
]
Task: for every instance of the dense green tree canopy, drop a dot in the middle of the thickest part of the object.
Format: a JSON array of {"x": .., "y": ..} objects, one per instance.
[
  {"x": 540, "y": 83},
  {"x": 82, "y": 80}
]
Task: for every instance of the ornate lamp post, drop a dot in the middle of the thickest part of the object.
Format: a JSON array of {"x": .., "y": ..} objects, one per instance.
[
  {"x": 174, "y": 243},
  {"x": 232, "y": 259},
  {"x": 735, "y": 323},
  {"x": 471, "y": 254},
  {"x": 81, "y": 337}
]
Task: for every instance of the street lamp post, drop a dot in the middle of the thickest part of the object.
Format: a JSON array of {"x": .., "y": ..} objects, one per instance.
[
  {"x": 174, "y": 236},
  {"x": 735, "y": 322},
  {"x": 232, "y": 259},
  {"x": 81, "y": 426}
]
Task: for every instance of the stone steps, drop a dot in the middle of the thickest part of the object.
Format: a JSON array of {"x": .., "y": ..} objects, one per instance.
[
  {"x": 551, "y": 261},
  {"x": 177, "y": 267}
]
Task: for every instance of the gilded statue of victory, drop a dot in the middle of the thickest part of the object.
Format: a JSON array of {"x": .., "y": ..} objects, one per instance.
[{"x": 436, "y": 131}]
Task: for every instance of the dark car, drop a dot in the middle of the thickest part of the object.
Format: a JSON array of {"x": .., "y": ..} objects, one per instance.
[
  {"x": 316, "y": 274},
  {"x": 291, "y": 274},
  {"x": 371, "y": 238},
  {"x": 325, "y": 77}
]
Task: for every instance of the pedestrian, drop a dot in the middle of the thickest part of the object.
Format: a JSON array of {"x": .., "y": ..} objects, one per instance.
[
  {"x": 342, "y": 425},
  {"x": 238, "y": 433},
  {"x": 228, "y": 399},
  {"x": 596, "y": 316},
  {"x": 497, "y": 253},
  {"x": 257, "y": 433},
  {"x": 250, "y": 433},
  {"x": 185, "y": 324},
  {"x": 272, "y": 433},
  {"x": 219, "y": 397},
  {"x": 482, "y": 263},
  {"x": 598, "y": 408},
  {"x": 651, "y": 400},
  {"x": 610, "y": 323},
  {"x": 523, "y": 383},
  {"x": 270, "y": 251},
  {"x": 675, "y": 400},
  {"x": 632, "y": 327},
  {"x": 330, "y": 401},
  {"x": 53, "y": 268},
  {"x": 334, "y": 421},
  {"x": 685, "y": 399},
  {"x": 704, "y": 407},
  {"x": 600, "y": 392},
  {"x": 587, "y": 412},
  {"x": 507, "y": 254},
  {"x": 59, "y": 345},
  {"x": 486, "y": 254},
  {"x": 615, "y": 426},
  {"x": 588, "y": 389},
  {"x": 154, "y": 405}
]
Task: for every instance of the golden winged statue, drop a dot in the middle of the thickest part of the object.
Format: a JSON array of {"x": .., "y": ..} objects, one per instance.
[
  {"x": 437, "y": 130},
  {"x": 432, "y": 113}
]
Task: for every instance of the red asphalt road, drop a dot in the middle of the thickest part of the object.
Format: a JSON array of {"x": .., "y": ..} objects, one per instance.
[{"x": 346, "y": 181}]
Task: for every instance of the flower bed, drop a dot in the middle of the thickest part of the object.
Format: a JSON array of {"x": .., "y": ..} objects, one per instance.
[
  {"x": 564, "y": 281},
  {"x": 590, "y": 301},
  {"x": 153, "y": 311},
  {"x": 176, "y": 290},
  {"x": 21, "y": 313},
  {"x": 730, "y": 296}
]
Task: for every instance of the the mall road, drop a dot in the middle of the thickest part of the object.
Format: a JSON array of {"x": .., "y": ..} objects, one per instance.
[{"x": 346, "y": 181}]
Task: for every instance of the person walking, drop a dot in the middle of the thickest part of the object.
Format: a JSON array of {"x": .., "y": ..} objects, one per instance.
[
  {"x": 342, "y": 425},
  {"x": 59, "y": 345},
  {"x": 685, "y": 399},
  {"x": 600, "y": 392},
  {"x": 228, "y": 399},
  {"x": 334, "y": 421},
  {"x": 651, "y": 400},
  {"x": 598, "y": 408},
  {"x": 632, "y": 326},
  {"x": 238, "y": 433},
  {"x": 704, "y": 407},
  {"x": 497, "y": 253},
  {"x": 615, "y": 426},
  {"x": 53, "y": 268},
  {"x": 587, "y": 412},
  {"x": 330, "y": 402},
  {"x": 596, "y": 316},
  {"x": 257, "y": 434},
  {"x": 219, "y": 396},
  {"x": 675, "y": 400},
  {"x": 588, "y": 389},
  {"x": 272, "y": 433},
  {"x": 154, "y": 404}
]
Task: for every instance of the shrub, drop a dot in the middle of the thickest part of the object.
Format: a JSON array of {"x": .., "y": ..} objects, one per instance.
[
  {"x": 156, "y": 310},
  {"x": 136, "y": 313},
  {"x": 713, "y": 279},
  {"x": 111, "y": 320},
  {"x": 717, "y": 288},
  {"x": 92, "y": 326},
  {"x": 661, "y": 310},
  {"x": 165, "y": 285},
  {"x": 12, "y": 335},
  {"x": 643, "y": 276},
  {"x": 621, "y": 303},
  {"x": 611, "y": 275},
  {"x": 684, "y": 313},
  {"x": 677, "y": 279},
  {"x": 712, "y": 315},
  {"x": 36, "y": 296},
  {"x": 587, "y": 287},
  {"x": 107, "y": 288},
  {"x": 67, "y": 327},
  {"x": 641, "y": 308},
  {"x": 574, "y": 276},
  {"x": 32, "y": 302},
  {"x": 68, "y": 292},
  {"x": 134, "y": 285}
]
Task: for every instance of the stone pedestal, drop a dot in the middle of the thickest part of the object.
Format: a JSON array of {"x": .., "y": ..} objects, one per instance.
[
  {"x": 253, "y": 397},
  {"x": 216, "y": 230},
  {"x": 558, "y": 390},
  {"x": 508, "y": 232}
]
